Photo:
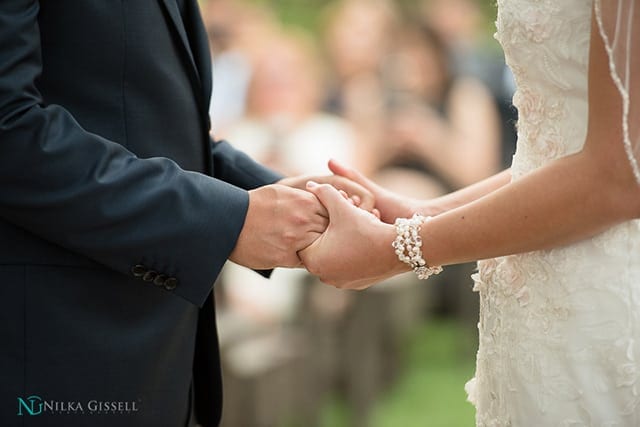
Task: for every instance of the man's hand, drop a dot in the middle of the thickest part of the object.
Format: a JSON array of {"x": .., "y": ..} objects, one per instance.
[
  {"x": 280, "y": 221},
  {"x": 361, "y": 196}
]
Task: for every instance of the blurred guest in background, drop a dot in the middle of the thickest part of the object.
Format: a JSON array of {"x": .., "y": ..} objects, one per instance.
[
  {"x": 442, "y": 126},
  {"x": 236, "y": 31},
  {"x": 462, "y": 25},
  {"x": 284, "y": 125},
  {"x": 358, "y": 39}
]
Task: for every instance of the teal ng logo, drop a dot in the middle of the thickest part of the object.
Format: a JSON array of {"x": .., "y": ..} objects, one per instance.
[{"x": 32, "y": 405}]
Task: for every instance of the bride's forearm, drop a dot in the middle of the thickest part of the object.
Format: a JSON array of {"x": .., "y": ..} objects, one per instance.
[
  {"x": 465, "y": 195},
  {"x": 568, "y": 200}
]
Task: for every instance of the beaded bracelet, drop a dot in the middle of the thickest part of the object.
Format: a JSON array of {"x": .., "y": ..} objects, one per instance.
[{"x": 408, "y": 244}]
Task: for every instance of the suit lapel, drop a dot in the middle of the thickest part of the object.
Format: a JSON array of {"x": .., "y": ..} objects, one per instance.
[
  {"x": 171, "y": 7},
  {"x": 199, "y": 61},
  {"x": 201, "y": 52}
]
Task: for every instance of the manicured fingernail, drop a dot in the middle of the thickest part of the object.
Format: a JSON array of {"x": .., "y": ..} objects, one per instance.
[{"x": 312, "y": 184}]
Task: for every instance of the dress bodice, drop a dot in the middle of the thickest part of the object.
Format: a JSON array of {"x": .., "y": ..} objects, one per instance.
[{"x": 546, "y": 45}]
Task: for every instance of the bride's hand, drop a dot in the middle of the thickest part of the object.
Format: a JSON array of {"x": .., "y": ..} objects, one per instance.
[
  {"x": 355, "y": 251},
  {"x": 390, "y": 204},
  {"x": 357, "y": 192}
]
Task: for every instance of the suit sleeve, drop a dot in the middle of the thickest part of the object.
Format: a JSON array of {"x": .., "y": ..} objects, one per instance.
[
  {"x": 236, "y": 167},
  {"x": 92, "y": 196}
]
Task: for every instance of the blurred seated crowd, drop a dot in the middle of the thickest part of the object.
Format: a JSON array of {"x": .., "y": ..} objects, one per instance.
[{"x": 417, "y": 98}]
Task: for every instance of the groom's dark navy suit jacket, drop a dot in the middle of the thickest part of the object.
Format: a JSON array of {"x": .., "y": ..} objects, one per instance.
[{"x": 116, "y": 214}]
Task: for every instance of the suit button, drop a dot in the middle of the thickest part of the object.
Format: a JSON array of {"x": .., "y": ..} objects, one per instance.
[
  {"x": 139, "y": 270},
  {"x": 160, "y": 280},
  {"x": 171, "y": 283},
  {"x": 150, "y": 276}
]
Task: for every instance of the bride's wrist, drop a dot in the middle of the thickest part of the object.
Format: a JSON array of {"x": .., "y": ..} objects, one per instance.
[{"x": 407, "y": 246}]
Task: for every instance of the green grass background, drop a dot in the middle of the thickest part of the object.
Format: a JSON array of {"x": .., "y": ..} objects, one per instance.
[{"x": 438, "y": 361}]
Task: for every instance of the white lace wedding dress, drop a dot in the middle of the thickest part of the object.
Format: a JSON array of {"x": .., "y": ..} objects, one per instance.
[{"x": 560, "y": 329}]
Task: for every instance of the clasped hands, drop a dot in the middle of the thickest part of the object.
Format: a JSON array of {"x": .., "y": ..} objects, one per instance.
[{"x": 337, "y": 226}]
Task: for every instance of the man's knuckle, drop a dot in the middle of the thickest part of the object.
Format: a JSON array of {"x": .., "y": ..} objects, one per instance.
[
  {"x": 298, "y": 219},
  {"x": 289, "y": 237}
]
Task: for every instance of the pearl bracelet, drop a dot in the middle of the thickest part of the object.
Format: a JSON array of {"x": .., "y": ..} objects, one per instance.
[{"x": 408, "y": 244}]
